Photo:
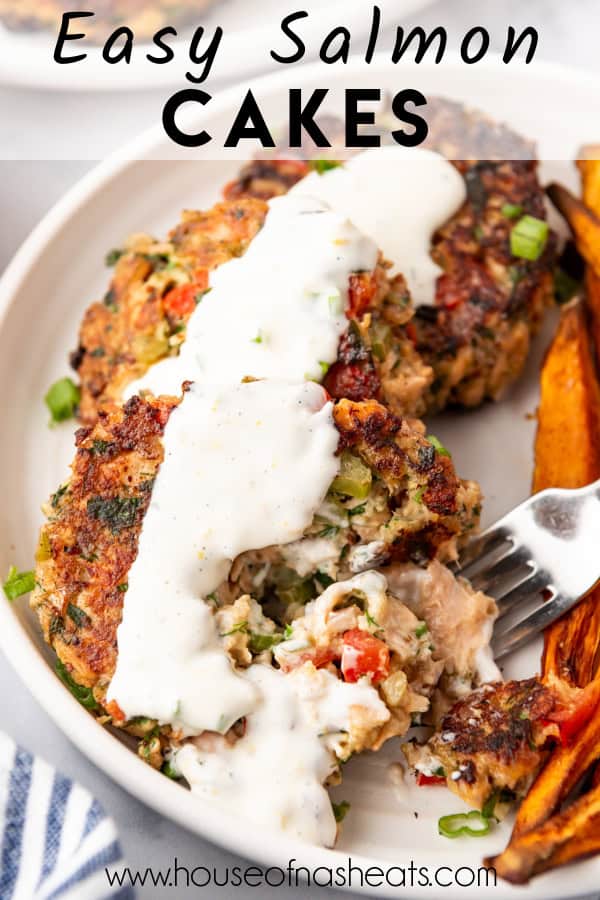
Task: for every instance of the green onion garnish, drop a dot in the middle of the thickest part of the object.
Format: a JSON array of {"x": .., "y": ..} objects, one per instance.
[
  {"x": 170, "y": 771},
  {"x": 421, "y": 630},
  {"x": 458, "y": 824},
  {"x": 340, "y": 810},
  {"x": 512, "y": 210},
  {"x": 113, "y": 257},
  {"x": 62, "y": 399},
  {"x": 528, "y": 238},
  {"x": 18, "y": 583},
  {"x": 82, "y": 694},
  {"x": 324, "y": 165},
  {"x": 437, "y": 445}
]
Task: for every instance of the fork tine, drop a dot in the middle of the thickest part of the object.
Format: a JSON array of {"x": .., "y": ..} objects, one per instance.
[
  {"x": 530, "y": 587},
  {"x": 504, "y": 574},
  {"x": 481, "y": 547},
  {"x": 515, "y": 635}
]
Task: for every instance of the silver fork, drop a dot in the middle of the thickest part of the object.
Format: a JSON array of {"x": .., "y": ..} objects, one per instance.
[{"x": 537, "y": 562}]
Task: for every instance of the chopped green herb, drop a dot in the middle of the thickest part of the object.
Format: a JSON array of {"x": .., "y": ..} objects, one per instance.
[
  {"x": 440, "y": 772},
  {"x": 357, "y": 510},
  {"x": 258, "y": 339},
  {"x": 78, "y": 616},
  {"x": 478, "y": 232},
  {"x": 324, "y": 165},
  {"x": 199, "y": 296},
  {"x": 437, "y": 444},
  {"x": 258, "y": 643},
  {"x": 240, "y": 628},
  {"x": 170, "y": 771},
  {"x": 288, "y": 632},
  {"x": 98, "y": 352},
  {"x": 418, "y": 495},
  {"x": 57, "y": 625},
  {"x": 421, "y": 630},
  {"x": 512, "y": 210},
  {"x": 212, "y": 598},
  {"x": 100, "y": 447},
  {"x": 82, "y": 694},
  {"x": 113, "y": 257},
  {"x": 340, "y": 810},
  {"x": 57, "y": 497},
  {"x": 528, "y": 238},
  {"x": 370, "y": 620},
  {"x": 299, "y": 592},
  {"x": 123, "y": 587},
  {"x": 330, "y": 531},
  {"x": 324, "y": 368},
  {"x": 18, "y": 583},
  {"x": 458, "y": 824},
  {"x": 62, "y": 400},
  {"x": 116, "y": 512}
]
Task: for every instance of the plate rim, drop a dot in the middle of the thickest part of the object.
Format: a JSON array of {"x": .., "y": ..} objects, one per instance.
[{"x": 94, "y": 741}]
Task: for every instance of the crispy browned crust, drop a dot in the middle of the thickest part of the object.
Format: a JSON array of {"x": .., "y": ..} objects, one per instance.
[
  {"x": 130, "y": 329},
  {"x": 398, "y": 452},
  {"x": 90, "y": 539},
  {"x": 495, "y": 739},
  {"x": 488, "y": 303}
]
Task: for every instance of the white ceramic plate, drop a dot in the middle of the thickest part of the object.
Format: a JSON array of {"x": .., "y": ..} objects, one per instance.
[
  {"x": 250, "y": 31},
  {"x": 60, "y": 270}
]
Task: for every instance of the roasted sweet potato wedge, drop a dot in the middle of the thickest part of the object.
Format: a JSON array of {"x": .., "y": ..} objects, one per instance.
[
  {"x": 567, "y": 446},
  {"x": 570, "y": 835},
  {"x": 583, "y": 222},
  {"x": 589, "y": 169}
]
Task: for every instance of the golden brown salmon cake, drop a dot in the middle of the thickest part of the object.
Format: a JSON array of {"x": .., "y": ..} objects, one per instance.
[
  {"x": 492, "y": 743},
  {"x": 156, "y": 287},
  {"x": 413, "y": 506},
  {"x": 489, "y": 302},
  {"x": 154, "y": 290}
]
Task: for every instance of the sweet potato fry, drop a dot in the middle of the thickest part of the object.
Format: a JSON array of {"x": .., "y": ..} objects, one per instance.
[
  {"x": 558, "y": 777},
  {"x": 584, "y": 223},
  {"x": 570, "y": 835},
  {"x": 567, "y": 446},
  {"x": 589, "y": 168}
]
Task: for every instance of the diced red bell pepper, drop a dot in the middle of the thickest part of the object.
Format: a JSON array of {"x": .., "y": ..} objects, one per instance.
[
  {"x": 181, "y": 302},
  {"x": 363, "y": 654},
  {"x": 426, "y": 780},
  {"x": 361, "y": 293}
]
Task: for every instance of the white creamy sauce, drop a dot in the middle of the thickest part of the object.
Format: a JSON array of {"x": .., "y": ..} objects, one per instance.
[
  {"x": 278, "y": 311},
  {"x": 274, "y": 775},
  {"x": 398, "y": 197},
  {"x": 246, "y": 466}
]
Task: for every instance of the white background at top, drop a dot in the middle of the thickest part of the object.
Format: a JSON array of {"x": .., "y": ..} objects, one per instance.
[{"x": 569, "y": 33}]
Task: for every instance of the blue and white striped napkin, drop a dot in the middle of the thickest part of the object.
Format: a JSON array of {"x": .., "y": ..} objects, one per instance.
[{"x": 55, "y": 839}]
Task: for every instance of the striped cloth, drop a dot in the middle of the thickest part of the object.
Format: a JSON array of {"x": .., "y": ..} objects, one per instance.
[{"x": 56, "y": 841}]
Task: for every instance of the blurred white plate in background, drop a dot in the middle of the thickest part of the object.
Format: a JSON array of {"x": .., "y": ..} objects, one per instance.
[{"x": 251, "y": 30}]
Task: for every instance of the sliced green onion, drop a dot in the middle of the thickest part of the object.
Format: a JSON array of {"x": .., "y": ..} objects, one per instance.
[
  {"x": 528, "y": 238},
  {"x": 170, "y": 771},
  {"x": 113, "y": 257},
  {"x": 62, "y": 399},
  {"x": 512, "y": 210},
  {"x": 421, "y": 630},
  {"x": 258, "y": 643},
  {"x": 82, "y": 694},
  {"x": 18, "y": 583},
  {"x": 437, "y": 445},
  {"x": 457, "y": 825},
  {"x": 354, "y": 478},
  {"x": 340, "y": 810},
  {"x": 324, "y": 165}
]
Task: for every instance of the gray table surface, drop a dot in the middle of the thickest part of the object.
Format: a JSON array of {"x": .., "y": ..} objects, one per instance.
[{"x": 568, "y": 33}]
